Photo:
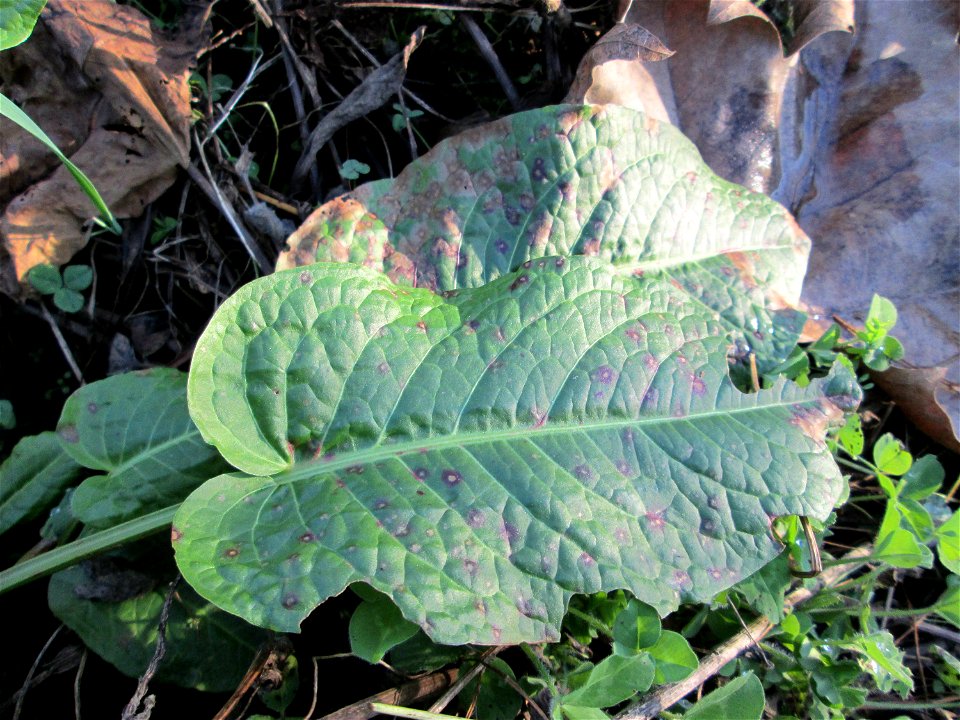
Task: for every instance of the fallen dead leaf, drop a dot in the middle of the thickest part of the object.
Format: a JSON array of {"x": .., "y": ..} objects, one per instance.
[
  {"x": 113, "y": 94},
  {"x": 369, "y": 95},
  {"x": 856, "y": 134}
]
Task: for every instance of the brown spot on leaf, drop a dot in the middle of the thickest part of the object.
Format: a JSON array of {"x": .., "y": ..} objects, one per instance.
[
  {"x": 231, "y": 552},
  {"x": 308, "y": 537}
]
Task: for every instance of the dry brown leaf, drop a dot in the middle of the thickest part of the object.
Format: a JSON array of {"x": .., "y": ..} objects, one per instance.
[
  {"x": 856, "y": 135},
  {"x": 874, "y": 179},
  {"x": 114, "y": 95},
  {"x": 930, "y": 392}
]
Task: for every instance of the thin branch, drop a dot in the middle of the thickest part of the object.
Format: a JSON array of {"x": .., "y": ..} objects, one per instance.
[
  {"x": 411, "y": 692},
  {"x": 22, "y": 693},
  {"x": 668, "y": 695},
  {"x": 462, "y": 681},
  {"x": 62, "y": 342},
  {"x": 211, "y": 190},
  {"x": 490, "y": 56},
  {"x": 132, "y": 710}
]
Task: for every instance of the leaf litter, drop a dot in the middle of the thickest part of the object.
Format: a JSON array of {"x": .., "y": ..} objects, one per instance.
[{"x": 857, "y": 134}]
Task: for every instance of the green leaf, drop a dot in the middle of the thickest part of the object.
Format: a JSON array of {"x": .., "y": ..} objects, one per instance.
[
  {"x": 420, "y": 654},
  {"x": 882, "y": 659},
  {"x": 8, "y": 419},
  {"x": 78, "y": 277},
  {"x": 851, "y": 435},
  {"x": 600, "y": 180},
  {"x": 124, "y": 632},
  {"x": 376, "y": 626},
  {"x": 636, "y": 627},
  {"x": 741, "y": 698},
  {"x": 880, "y": 319},
  {"x": 674, "y": 658},
  {"x": 495, "y": 699},
  {"x": 353, "y": 169},
  {"x": 948, "y": 606},
  {"x": 615, "y": 679},
  {"x": 17, "y": 19},
  {"x": 765, "y": 589},
  {"x": 34, "y": 476},
  {"x": 45, "y": 279},
  {"x": 68, "y": 300},
  {"x": 890, "y": 456},
  {"x": 948, "y": 543},
  {"x": 897, "y": 544},
  {"x": 573, "y": 712},
  {"x": 9, "y": 110},
  {"x": 136, "y": 428},
  {"x": 481, "y": 457},
  {"x": 923, "y": 479}
]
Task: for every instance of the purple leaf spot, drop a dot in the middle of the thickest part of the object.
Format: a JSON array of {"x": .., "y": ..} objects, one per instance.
[
  {"x": 475, "y": 518},
  {"x": 500, "y": 246},
  {"x": 290, "y": 601},
  {"x": 583, "y": 472},
  {"x": 587, "y": 559},
  {"x": 305, "y": 277},
  {"x": 355, "y": 470},
  {"x": 421, "y": 473},
  {"x": 175, "y": 535},
  {"x": 470, "y": 566},
  {"x": 69, "y": 434},
  {"x": 656, "y": 520},
  {"x": 520, "y": 281},
  {"x": 697, "y": 386},
  {"x": 604, "y": 374},
  {"x": 307, "y": 537},
  {"x": 383, "y": 368},
  {"x": 451, "y": 477},
  {"x": 92, "y": 408},
  {"x": 623, "y": 467},
  {"x": 381, "y": 504}
]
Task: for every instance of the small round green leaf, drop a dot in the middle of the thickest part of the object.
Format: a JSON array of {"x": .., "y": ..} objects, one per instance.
[
  {"x": 8, "y": 419},
  {"x": 636, "y": 627},
  {"x": 45, "y": 279},
  {"x": 890, "y": 456},
  {"x": 68, "y": 300},
  {"x": 78, "y": 277}
]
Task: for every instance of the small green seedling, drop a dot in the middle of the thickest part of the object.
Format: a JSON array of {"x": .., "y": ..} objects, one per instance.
[
  {"x": 66, "y": 288},
  {"x": 353, "y": 169}
]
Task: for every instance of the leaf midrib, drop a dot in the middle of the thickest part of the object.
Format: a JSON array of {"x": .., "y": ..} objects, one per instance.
[{"x": 304, "y": 470}]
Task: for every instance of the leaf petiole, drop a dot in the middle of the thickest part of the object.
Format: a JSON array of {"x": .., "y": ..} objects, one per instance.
[{"x": 85, "y": 547}]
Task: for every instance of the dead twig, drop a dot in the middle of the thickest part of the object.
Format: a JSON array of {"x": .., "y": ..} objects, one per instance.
[
  {"x": 266, "y": 669},
  {"x": 22, "y": 693},
  {"x": 132, "y": 710},
  {"x": 406, "y": 694},
  {"x": 373, "y": 92},
  {"x": 490, "y": 56},
  {"x": 462, "y": 681},
  {"x": 62, "y": 342},
  {"x": 668, "y": 695},
  {"x": 210, "y": 189}
]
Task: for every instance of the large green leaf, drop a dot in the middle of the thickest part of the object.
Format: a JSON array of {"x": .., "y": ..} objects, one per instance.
[
  {"x": 482, "y": 456},
  {"x": 603, "y": 181},
  {"x": 17, "y": 18},
  {"x": 116, "y": 612},
  {"x": 33, "y": 477},
  {"x": 136, "y": 427}
]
